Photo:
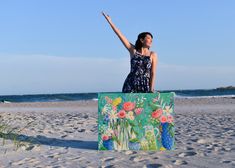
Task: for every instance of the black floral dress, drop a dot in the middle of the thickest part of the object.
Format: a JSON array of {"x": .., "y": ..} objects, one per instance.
[{"x": 138, "y": 80}]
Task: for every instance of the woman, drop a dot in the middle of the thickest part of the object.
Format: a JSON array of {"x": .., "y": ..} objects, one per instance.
[{"x": 141, "y": 78}]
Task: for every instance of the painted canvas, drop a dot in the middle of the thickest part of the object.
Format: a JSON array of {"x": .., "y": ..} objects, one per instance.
[{"x": 136, "y": 121}]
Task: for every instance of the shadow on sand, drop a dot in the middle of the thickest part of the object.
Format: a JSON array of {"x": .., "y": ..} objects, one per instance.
[{"x": 43, "y": 140}]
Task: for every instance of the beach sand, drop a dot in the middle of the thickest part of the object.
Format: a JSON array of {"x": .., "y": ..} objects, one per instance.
[{"x": 65, "y": 134}]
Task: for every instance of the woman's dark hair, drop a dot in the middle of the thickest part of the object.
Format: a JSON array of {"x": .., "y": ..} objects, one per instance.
[{"x": 138, "y": 43}]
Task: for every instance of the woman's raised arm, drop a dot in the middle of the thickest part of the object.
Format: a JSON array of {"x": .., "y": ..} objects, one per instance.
[{"x": 130, "y": 47}]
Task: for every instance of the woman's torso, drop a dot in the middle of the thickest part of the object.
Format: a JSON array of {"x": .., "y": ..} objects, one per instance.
[{"x": 140, "y": 65}]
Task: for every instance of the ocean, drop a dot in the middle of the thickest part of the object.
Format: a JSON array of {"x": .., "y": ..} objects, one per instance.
[{"x": 93, "y": 96}]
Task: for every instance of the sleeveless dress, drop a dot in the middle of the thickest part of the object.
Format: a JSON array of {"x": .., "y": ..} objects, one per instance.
[{"x": 138, "y": 80}]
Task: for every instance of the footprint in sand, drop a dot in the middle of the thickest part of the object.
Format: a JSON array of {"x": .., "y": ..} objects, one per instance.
[
  {"x": 188, "y": 148},
  {"x": 63, "y": 136},
  {"x": 180, "y": 162},
  {"x": 108, "y": 159},
  {"x": 203, "y": 141},
  {"x": 54, "y": 155},
  {"x": 29, "y": 147},
  {"x": 31, "y": 161},
  {"x": 155, "y": 157},
  {"x": 154, "y": 165},
  {"x": 225, "y": 161},
  {"x": 81, "y": 130},
  {"x": 129, "y": 152},
  {"x": 185, "y": 154},
  {"x": 137, "y": 159},
  {"x": 109, "y": 166},
  {"x": 20, "y": 162},
  {"x": 226, "y": 149}
]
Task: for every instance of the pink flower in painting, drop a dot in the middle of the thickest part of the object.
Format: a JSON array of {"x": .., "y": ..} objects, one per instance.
[
  {"x": 121, "y": 114},
  {"x": 163, "y": 119},
  {"x": 114, "y": 108},
  {"x": 155, "y": 99},
  {"x": 109, "y": 101},
  {"x": 138, "y": 110},
  {"x": 128, "y": 106},
  {"x": 105, "y": 137},
  {"x": 157, "y": 113},
  {"x": 170, "y": 119},
  {"x": 115, "y": 132}
]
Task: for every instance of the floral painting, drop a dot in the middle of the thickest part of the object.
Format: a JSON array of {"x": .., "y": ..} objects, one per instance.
[{"x": 136, "y": 121}]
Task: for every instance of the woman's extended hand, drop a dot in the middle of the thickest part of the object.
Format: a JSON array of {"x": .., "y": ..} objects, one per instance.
[{"x": 107, "y": 17}]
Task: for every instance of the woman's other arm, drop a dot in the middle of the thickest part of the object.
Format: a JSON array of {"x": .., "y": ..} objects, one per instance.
[{"x": 153, "y": 70}]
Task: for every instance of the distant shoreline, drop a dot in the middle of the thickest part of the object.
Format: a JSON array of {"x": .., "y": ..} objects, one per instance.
[
  {"x": 228, "y": 91},
  {"x": 84, "y": 93},
  {"x": 226, "y": 88}
]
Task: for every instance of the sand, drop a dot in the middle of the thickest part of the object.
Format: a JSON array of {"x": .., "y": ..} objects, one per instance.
[{"x": 64, "y": 134}]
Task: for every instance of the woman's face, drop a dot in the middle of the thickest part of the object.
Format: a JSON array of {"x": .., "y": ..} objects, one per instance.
[{"x": 147, "y": 42}]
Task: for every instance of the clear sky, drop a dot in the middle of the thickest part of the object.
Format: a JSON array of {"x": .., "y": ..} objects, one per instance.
[{"x": 61, "y": 46}]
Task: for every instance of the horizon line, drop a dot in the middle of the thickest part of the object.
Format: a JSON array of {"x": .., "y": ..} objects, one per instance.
[{"x": 160, "y": 90}]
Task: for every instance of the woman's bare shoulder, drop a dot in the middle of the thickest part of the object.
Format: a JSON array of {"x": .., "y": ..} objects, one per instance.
[
  {"x": 153, "y": 56},
  {"x": 153, "y": 53}
]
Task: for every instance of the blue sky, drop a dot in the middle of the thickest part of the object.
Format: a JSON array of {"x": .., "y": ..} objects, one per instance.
[{"x": 60, "y": 46}]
